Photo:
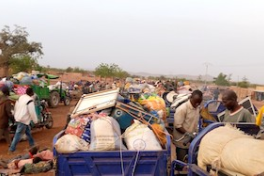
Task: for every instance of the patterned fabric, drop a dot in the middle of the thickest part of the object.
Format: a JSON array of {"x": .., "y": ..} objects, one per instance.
[
  {"x": 77, "y": 126},
  {"x": 20, "y": 89},
  {"x": 153, "y": 104},
  {"x": 38, "y": 167},
  {"x": 87, "y": 133}
]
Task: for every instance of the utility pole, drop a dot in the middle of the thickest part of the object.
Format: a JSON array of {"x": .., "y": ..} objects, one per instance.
[{"x": 206, "y": 71}]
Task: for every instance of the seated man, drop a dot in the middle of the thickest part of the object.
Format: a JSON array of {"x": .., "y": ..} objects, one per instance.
[{"x": 235, "y": 113}]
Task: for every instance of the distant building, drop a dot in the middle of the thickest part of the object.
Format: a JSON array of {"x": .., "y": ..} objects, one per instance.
[{"x": 259, "y": 93}]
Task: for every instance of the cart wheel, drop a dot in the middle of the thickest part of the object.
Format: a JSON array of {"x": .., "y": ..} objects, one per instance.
[
  {"x": 54, "y": 99},
  {"x": 49, "y": 122},
  {"x": 67, "y": 101}
]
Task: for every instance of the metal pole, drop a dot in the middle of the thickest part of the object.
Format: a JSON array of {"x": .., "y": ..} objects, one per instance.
[{"x": 206, "y": 71}]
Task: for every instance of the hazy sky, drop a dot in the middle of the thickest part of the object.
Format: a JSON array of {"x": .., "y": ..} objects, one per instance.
[{"x": 165, "y": 37}]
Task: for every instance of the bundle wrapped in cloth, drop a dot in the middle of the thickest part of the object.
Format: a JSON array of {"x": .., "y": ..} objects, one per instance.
[
  {"x": 70, "y": 143},
  {"x": 20, "y": 89},
  {"x": 229, "y": 149},
  {"x": 154, "y": 104},
  {"x": 78, "y": 126}
]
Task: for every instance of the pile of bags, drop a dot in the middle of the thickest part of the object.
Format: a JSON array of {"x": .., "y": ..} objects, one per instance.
[
  {"x": 28, "y": 79},
  {"x": 116, "y": 128}
]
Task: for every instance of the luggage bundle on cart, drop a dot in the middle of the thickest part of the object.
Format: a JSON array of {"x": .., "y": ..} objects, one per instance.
[
  {"x": 211, "y": 115},
  {"x": 121, "y": 138},
  {"x": 197, "y": 157}
]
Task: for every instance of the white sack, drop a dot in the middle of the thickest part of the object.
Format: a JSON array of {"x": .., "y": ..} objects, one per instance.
[
  {"x": 139, "y": 137},
  {"x": 70, "y": 144},
  {"x": 245, "y": 156},
  {"x": 220, "y": 149},
  {"x": 105, "y": 135}
]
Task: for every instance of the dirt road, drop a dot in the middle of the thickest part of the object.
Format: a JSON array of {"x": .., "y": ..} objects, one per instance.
[{"x": 43, "y": 137}]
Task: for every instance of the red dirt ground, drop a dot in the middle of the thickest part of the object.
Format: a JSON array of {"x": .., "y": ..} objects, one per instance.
[{"x": 43, "y": 137}]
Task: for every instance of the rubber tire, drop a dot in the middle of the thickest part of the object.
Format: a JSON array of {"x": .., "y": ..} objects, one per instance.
[
  {"x": 49, "y": 122},
  {"x": 54, "y": 99},
  {"x": 67, "y": 101}
]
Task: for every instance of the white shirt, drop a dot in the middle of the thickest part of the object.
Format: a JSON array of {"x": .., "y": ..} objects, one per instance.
[{"x": 24, "y": 111}]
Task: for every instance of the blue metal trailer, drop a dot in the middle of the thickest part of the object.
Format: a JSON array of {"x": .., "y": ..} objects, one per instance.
[
  {"x": 192, "y": 167},
  {"x": 113, "y": 163}
]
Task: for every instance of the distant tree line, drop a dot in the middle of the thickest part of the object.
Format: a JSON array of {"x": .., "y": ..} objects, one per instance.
[
  {"x": 225, "y": 80},
  {"x": 18, "y": 54}
]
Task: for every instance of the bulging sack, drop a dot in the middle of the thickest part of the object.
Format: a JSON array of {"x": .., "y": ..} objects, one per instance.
[
  {"x": 105, "y": 134},
  {"x": 139, "y": 137},
  {"x": 231, "y": 149},
  {"x": 70, "y": 143},
  {"x": 245, "y": 156}
]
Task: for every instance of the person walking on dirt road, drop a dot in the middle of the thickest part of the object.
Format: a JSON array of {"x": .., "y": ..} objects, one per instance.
[
  {"x": 24, "y": 112},
  {"x": 216, "y": 93},
  {"x": 5, "y": 114}
]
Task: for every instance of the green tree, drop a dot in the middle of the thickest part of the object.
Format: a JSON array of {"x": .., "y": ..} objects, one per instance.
[
  {"x": 14, "y": 43},
  {"x": 40, "y": 68},
  {"x": 244, "y": 83},
  {"x": 25, "y": 63},
  {"x": 121, "y": 73},
  {"x": 107, "y": 70},
  {"x": 221, "y": 80},
  {"x": 103, "y": 70},
  {"x": 69, "y": 69}
]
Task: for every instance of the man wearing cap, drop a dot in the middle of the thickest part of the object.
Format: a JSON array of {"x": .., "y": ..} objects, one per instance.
[{"x": 5, "y": 114}]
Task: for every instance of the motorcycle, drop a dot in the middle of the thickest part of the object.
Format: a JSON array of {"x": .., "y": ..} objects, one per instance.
[
  {"x": 47, "y": 119},
  {"x": 44, "y": 116}
]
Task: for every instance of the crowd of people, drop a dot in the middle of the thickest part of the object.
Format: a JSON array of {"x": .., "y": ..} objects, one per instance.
[
  {"x": 185, "y": 118},
  {"x": 187, "y": 115},
  {"x": 94, "y": 86}
]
